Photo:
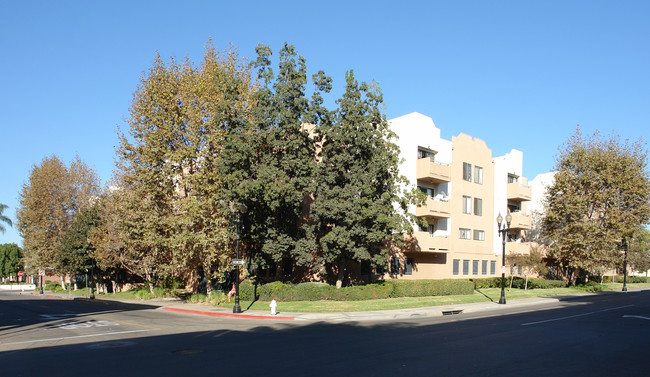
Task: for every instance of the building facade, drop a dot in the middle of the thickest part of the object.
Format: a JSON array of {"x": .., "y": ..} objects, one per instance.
[{"x": 466, "y": 189}]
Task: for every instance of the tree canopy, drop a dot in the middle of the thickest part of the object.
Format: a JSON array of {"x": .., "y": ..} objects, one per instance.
[
  {"x": 4, "y": 219},
  {"x": 598, "y": 201},
  {"x": 11, "y": 259},
  {"x": 168, "y": 184},
  {"x": 49, "y": 203}
]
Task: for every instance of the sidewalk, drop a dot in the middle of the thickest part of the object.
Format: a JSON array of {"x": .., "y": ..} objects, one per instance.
[{"x": 431, "y": 311}]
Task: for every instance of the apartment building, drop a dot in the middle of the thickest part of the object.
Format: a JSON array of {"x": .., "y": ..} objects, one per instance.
[{"x": 466, "y": 189}]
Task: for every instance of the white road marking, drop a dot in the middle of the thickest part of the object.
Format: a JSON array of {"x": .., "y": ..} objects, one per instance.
[
  {"x": 636, "y": 316},
  {"x": 85, "y": 324},
  {"x": 73, "y": 337},
  {"x": 575, "y": 316}
]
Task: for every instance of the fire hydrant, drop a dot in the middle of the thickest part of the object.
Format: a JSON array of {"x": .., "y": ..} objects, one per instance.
[{"x": 273, "y": 305}]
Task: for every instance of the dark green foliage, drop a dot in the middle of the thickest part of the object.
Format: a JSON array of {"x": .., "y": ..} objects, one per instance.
[
  {"x": 357, "y": 183},
  {"x": 423, "y": 288},
  {"x": 75, "y": 250},
  {"x": 269, "y": 164},
  {"x": 11, "y": 259}
]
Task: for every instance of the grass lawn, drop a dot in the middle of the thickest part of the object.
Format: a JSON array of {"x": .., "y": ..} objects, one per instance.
[{"x": 481, "y": 295}]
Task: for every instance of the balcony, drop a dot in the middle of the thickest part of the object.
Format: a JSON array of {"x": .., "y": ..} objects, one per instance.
[
  {"x": 432, "y": 172},
  {"x": 520, "y": 221},
  {"x": 519, "y": 192},
  {"x": 422, "y": 241},
  {"x": 434, "y": 209},
  {"x": 522, "y": 248}
]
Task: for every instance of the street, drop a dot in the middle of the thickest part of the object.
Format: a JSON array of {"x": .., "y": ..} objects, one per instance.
[{"x": 596, "y": 335}]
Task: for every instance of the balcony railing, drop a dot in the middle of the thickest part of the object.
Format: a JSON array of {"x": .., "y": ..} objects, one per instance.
[
  {"x": 433, "y": 172},
  {"x": 517, "y": 191},
  {"x": 423, "y": 241},
  {"x": 520, "y": 221},
  {"x": 434, "y": 208},
  {"x": 518, "y": 248}
]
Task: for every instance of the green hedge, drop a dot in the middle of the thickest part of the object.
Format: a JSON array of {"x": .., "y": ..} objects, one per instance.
[
  {"x": 519, "y": 282},
  {"x": 313, "y": 292},
  {"x": 619, "y": 279},
  {"x": 422, "y": 288}
]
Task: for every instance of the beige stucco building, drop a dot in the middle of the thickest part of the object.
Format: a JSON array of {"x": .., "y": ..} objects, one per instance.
[{"x": 466, "y": 189}]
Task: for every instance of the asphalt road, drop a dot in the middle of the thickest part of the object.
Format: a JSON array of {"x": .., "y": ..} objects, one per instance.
[{"x": 600, "y": 335}]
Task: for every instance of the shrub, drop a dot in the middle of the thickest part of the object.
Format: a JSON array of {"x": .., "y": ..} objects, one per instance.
[
  {"x": 143, "y": 294},
  {"x": 52, "y": 286},
  {"x": 421, "y": 288},
  {"x": 494, "y": 282},
  {"x": 197, "y": 298},
  {"x": 158, "y": 292}
]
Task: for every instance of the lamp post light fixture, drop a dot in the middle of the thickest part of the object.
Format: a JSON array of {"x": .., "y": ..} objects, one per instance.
[
  {"x": 504, "y": 232},
  {"x": 236, "y": 209}
]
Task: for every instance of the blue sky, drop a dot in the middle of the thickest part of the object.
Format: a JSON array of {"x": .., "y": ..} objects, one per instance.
[{"x": 517, "y": 74}]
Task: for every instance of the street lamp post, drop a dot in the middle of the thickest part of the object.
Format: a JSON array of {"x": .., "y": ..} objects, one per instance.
[
  {"x": 236, "y": 210},
  {"x": 503, "y": 231},
  {"x": 90, "y": 249},
  {"x": 625, "y": 266}
]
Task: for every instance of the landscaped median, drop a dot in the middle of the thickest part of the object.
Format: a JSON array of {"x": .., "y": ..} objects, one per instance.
[{"x": 388, "y": 295}]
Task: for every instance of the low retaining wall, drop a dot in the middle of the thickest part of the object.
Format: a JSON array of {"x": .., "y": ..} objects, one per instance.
[{"x": 17, "y": 287}]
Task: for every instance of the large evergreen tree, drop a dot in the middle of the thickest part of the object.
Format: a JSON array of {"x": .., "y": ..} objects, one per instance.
[
  {"x": 598, "y": 201},
  {"x": 359, "y": 206},
  {"x": 270, "y": 163},
  {"x": 11, "y": 259}
]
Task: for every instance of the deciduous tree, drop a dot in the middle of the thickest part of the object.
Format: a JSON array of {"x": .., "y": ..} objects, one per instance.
[
  {"x": 167, "y": 175},
  {"x": 49, "y": 203},
  {"x": 599, "y": 199}
]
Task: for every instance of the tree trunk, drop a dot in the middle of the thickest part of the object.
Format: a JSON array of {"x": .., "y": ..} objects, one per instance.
[
  {"x": 63, "y": 282},
  {"x": 340, "y": 275}
]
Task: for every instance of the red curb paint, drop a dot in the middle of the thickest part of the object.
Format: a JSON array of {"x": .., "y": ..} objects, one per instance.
[{"x": 228, "y": 314}]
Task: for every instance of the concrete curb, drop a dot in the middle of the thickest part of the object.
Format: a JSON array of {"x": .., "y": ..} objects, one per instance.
[{"x": 231, "y": 315}]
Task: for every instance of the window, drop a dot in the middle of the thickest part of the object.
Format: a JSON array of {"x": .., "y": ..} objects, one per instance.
[
  {"x": 465, "y": 234},
  {"x": 512, "y": 270},
  {"x": 467, "y": 171},
  {"x": 430, "y": 228},
  {"x": 520, "y": 270},
  {"x": 456, "y": 266},
  {"x": 493, "y": 267},
  {"x": 422, "y": 153},
  {"x": 478, "y": 175},
  {"x": 479, "y": 235},
  {"x": 512, "y": 178},
  {"x": 465, "y": 266},
  {"x": 478, "y": 206},
  {"x": 467, "y": 204},
  {"x": 427, "y": 190},
  {"x": 408, "y": 266},
  {"x": 484, "y": 267},
  {"x": 394, "y": 266},
  {"x": 474, "y": 267}
]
